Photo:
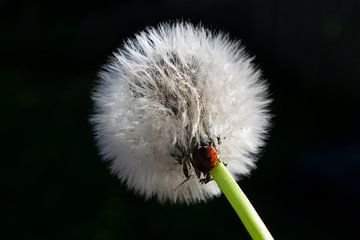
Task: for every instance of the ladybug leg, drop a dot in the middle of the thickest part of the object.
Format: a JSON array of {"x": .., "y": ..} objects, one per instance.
[
  {"x": 187, "y": 179},
  {"x": 198, "y": 173},
  {"x": 209, "y": 178},
  {"x": 218, "y": 138},
  {"x": 185, "y": 168},
  {"x": 225, "y": 163},
  {"x": 206, "y": 179}
]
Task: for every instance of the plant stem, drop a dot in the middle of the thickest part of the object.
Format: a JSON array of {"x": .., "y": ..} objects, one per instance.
[{"x": 240, "y": 203}]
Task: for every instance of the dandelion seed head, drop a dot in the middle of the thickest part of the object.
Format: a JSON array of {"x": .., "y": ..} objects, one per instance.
[{"x": 171, "y": 85}]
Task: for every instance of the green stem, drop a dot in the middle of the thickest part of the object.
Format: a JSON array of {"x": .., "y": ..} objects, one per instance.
[{"x": 240, "y": 203}]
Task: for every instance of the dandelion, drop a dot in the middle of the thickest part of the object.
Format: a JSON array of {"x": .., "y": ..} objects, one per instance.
[{"x": 171, "y": 93}]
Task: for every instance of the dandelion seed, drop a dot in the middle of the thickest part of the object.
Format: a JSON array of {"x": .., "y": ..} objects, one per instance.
[{"x": 169, "y": 90}]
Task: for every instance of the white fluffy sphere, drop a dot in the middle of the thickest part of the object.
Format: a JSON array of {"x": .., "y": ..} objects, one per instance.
[{"x": 167, "y": 87}]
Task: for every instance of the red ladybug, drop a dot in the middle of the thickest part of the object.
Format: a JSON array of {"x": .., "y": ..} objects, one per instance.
[{"x": 204, "y": 158}]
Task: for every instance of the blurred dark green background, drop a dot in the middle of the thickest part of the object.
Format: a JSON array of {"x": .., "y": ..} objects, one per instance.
[{"x": 54, "y": 185}]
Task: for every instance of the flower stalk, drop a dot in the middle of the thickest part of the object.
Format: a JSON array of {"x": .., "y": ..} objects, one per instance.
[{"x": 241, "y": 204}]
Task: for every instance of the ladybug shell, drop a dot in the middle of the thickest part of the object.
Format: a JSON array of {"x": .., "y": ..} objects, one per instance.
[{"x": 205, "y": 158}]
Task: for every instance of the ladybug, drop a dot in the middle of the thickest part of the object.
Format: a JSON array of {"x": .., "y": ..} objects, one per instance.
[{"x": 202, "y": 157}]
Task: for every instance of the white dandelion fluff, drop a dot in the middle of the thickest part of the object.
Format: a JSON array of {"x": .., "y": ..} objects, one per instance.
[{"x": 169, "y": 89}]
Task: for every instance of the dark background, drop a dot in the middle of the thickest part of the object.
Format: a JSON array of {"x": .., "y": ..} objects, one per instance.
[{"x": 56, "y": 187}]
